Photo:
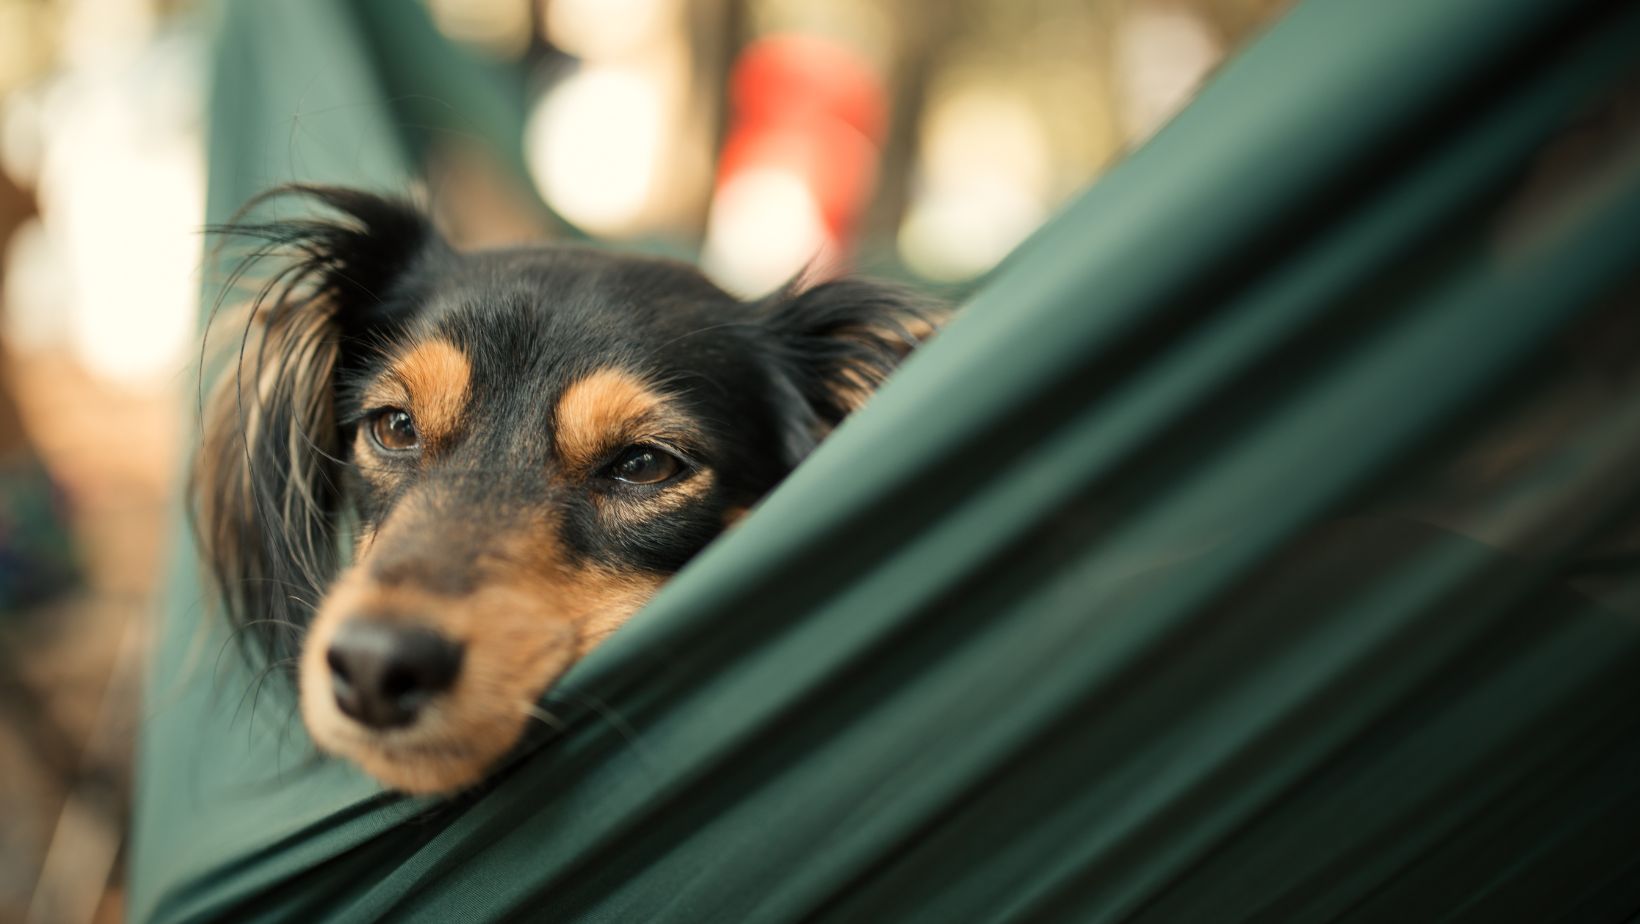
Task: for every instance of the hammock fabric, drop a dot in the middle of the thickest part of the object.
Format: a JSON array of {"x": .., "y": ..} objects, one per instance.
[{"x": 1258, "y": 544}]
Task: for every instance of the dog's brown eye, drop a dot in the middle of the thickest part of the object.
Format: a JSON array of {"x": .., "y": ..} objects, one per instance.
[
  {"x": 645, "y": 465},
  {"x": 394, "y": 431}
]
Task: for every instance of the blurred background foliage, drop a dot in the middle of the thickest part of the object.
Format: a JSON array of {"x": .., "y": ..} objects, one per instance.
[{"x": 917, "y": 139}]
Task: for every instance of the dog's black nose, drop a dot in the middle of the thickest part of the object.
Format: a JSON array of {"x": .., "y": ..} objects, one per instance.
[{"x": 383, "y": 674}]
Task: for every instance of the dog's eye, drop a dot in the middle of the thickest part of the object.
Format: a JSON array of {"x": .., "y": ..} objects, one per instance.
[
  {"x": 394, "y": 431},
  {"x": 645, "y": 465}
]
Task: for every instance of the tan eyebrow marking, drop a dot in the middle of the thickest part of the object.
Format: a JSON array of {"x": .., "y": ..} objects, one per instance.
[
  {"x": 431, "y": 381},
  {"x": 605, "y": 409}
]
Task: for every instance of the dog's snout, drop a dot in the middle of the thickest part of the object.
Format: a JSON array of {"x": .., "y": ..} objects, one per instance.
[{"x": 383, "y": 674}]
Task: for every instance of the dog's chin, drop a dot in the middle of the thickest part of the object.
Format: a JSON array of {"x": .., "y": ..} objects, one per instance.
[
  {"x": 434, "y": 766},
  {"x": 414, "y": 760},
  {"x": 433, "y": 755}
]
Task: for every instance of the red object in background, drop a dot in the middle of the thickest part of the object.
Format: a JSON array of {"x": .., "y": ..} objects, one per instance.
[
  {"x": 813, "y": 108},
  {"x": 796, "y": 78}
]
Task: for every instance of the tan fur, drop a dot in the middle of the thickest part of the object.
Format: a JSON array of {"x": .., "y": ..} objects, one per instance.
[
  {"x": 604, "y": 411},
  {"x": 629, "y": 510},
  {"x": 431, "y": 381},
  {"x": 854, "y": 390},
  {"x": 607, "y": 411},
  {"x": 532, "y": 616},
  {"x": 365, "y": 460}
]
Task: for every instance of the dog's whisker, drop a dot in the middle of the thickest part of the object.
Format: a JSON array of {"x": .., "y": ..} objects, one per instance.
[
  {"x": 546, "y": 718},
  {"x": 608, "y": 713},
  {"x": 274, "y": 621}
]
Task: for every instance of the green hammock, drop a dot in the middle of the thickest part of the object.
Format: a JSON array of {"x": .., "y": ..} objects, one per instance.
[{"x": 1258, "y": 544}]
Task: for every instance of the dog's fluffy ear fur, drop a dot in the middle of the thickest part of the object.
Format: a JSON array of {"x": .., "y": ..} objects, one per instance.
[
  {"x": 835, "y": 343},
  {"x": 266, "y": 486}
]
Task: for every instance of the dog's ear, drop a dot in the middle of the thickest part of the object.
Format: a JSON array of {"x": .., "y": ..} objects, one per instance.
[
  {"x": 835, "y": 343},
  {"x": 266, "y": 489}
]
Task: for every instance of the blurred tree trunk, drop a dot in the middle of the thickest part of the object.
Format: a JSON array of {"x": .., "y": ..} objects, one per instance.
[
  {"x": 16, "y": 206},
  {"x": 719, "y": 29},
  {"x": 922, "y": 31}
]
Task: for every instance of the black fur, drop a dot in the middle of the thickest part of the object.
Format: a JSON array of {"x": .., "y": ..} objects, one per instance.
[{"x": 277, "y": 486}]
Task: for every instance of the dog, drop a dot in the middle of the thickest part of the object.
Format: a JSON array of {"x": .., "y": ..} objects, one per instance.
[{"x": 431, "y": 480}]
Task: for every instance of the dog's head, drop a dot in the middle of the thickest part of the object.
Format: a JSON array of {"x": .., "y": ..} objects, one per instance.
[{"x": 432, "y": 480}]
